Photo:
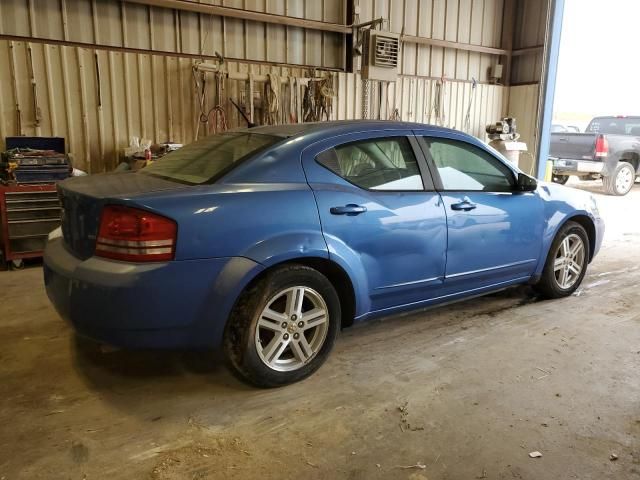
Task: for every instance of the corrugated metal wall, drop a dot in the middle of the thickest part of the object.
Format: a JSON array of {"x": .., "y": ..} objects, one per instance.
[
  {"x": 98, "y": 95},
  {"x": 122, "y": 24},
  {"x": 530, "y": 30},
  {"x": 523, "y": 105},
  {"x": 526, "y": 72},
  {"x": 476, "y": 22}
]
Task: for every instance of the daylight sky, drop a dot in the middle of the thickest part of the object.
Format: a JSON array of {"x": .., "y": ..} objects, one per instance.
[{"x": 599, "y": 70}]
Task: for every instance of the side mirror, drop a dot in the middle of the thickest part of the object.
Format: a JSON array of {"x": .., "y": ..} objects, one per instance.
[{"x": 525, "y": 183}]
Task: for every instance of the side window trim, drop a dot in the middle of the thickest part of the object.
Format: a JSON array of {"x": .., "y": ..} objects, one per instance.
[
  {"x": 428, "y": 184},
  {"x": 428, "y": 180},
  {"x": 437, "y": 180}
]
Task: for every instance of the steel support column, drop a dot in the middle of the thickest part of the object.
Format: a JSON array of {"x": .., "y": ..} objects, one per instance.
[{"x": 548, "y": 85}]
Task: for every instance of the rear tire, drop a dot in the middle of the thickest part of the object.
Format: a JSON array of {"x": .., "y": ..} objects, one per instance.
[
  {"x": 566, "y": 263},
  {"x": 561, "y": 179},
  {"x": 277, "y": 333},
  {"x": 621, "y": 180}
]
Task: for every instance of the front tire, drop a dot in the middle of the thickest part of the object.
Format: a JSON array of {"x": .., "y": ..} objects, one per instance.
[
  {"x": 566, "y": 264},
  {"x": 621, "y": 180},
  {"x": 283, "y": 327}
]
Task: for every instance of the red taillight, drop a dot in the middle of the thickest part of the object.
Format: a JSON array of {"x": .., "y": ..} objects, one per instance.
[
  {"x": 602, "y": 146},
  {"x": 135, "y": 235}
]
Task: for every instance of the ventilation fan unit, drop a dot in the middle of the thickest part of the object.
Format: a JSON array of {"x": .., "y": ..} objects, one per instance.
[{"x": 380, "y": 55}]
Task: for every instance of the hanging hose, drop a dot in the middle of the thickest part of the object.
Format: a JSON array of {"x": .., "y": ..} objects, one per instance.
[
  {"x": 467, "y": 118},
  {"x": 272, "y": 99},
  {"x": 317, "y": 101},
  {"x": 325, "y": 100},
  {"x": 218, "y": 123},
  {"x": 293, "y": 100},
  {"x": 215, "y": 119}
]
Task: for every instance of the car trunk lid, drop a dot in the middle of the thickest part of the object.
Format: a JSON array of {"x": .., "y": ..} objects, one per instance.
[
  {"x": 82, "y": 199},
  {"x": 573, "y": 146}
]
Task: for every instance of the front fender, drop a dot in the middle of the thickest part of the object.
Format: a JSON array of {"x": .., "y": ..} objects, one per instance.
[{"x": 561, "y": 205}]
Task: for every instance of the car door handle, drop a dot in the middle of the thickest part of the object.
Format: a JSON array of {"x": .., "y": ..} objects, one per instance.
[
  {"x": 350, "y": 209},
  {"x": 465, "y": 205}
]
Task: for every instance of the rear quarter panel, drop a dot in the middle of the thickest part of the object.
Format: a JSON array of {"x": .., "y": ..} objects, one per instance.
[{"x": 265, "y": 222}]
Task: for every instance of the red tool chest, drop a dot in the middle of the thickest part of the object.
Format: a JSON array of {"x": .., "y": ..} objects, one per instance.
[{"x": 27, "y": 214}]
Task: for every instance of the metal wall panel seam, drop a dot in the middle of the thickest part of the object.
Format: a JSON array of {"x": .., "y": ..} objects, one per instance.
[
  {"x": 32, "y": 19},
  {"x": 168, "y": 96},
  {"x": 114, "y": 103},
  {"x": 100, "y": 112},
  {"x": 83, "y": 108},
  {"x": 3, "y": 128},
  {"x": 50, "y": 97},
  {"x": 154, "y": 98}
]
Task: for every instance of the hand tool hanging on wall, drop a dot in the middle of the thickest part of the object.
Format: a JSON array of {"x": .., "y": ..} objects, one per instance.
[
  {"x": 200, "y": 86},
  {"x": 36, "y": 107}
]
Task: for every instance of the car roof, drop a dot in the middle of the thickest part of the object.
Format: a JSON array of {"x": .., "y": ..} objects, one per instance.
[{"x": 338, "y": 127}]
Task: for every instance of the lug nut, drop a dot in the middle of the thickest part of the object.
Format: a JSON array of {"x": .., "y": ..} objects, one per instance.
[
  {"x": 300, "y": 324},
  {"x": 284, "y": 325},
  {"x": 294, "y": 317},
  {"x": 286, "y": 336},
  {"x": 296, "y": 335}
]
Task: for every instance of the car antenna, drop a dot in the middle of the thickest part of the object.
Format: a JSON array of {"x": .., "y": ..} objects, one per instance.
[{"x": 250, "y": 124}]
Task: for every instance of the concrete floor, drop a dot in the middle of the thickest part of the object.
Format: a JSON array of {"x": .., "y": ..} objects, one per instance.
[{"x": 466, "y": 390}]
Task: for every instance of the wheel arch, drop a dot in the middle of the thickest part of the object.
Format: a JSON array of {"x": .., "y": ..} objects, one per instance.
[
  {"x": 330, "y": 269},
  {"x": 587, "y": 223},
  {"x": 631, "y": 157}
]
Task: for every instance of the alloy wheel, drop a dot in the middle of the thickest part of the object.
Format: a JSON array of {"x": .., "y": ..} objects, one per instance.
[
  {"x": 292, "y": 328},
  {"x": 569, "y": 261},
  {"x": 624, "y": 180}
]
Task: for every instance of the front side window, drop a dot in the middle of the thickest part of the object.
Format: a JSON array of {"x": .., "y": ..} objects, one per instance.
[
  {"x": 463, "y": 167},
  {"x": 206, "y": 159},
  {"x": 376, "y": 164}
]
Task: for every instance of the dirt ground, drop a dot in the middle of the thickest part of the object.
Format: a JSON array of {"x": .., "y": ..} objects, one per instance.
[{"x": 460, "y": 392}]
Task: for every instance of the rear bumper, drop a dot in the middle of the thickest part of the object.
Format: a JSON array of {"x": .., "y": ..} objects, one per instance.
[
  {"x": 179, "y": 304},
  {"x": 562, "y": 166}
]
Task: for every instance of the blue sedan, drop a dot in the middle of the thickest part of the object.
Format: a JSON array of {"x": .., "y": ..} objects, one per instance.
[{"x": 265, "y": 242}]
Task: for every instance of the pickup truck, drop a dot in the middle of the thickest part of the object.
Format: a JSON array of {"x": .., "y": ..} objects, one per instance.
[{"x": 609, "y": 149}]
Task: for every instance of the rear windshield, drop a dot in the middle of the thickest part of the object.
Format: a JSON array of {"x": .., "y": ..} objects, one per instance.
[
  {"x": 615, "y": 126},
  {"x": 207, "y": 159}
]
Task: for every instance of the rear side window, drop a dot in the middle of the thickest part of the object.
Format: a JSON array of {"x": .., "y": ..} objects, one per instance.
[
  {"x": 463, "y": 167},
  {"x": 615, "y": 126},
  {"x": 376, "y": 164},
  {"x": 209, "y": 158}
]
